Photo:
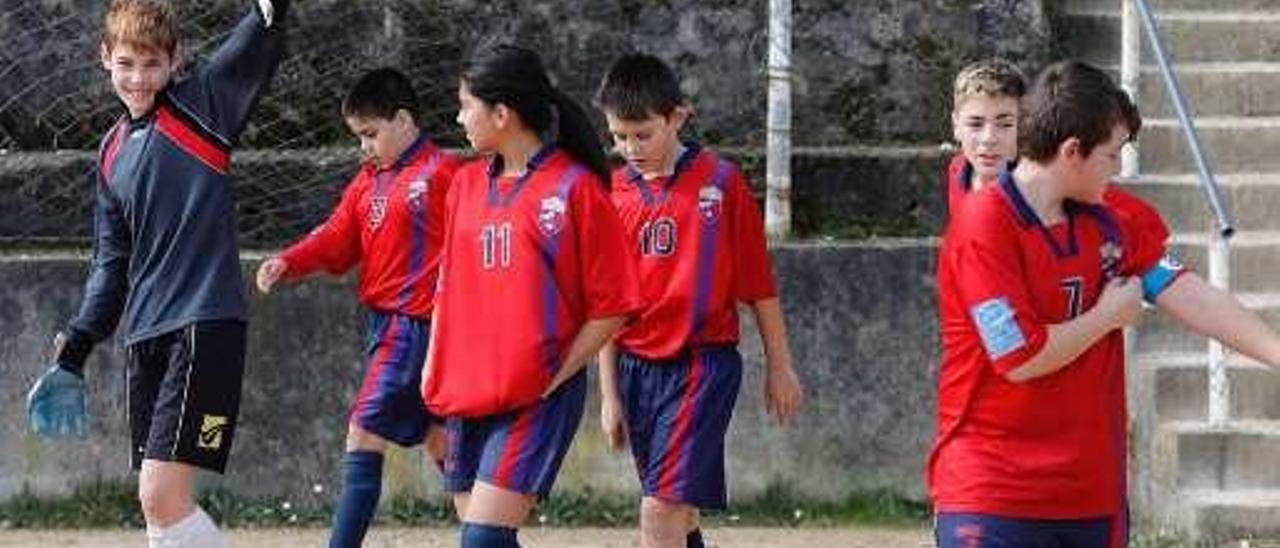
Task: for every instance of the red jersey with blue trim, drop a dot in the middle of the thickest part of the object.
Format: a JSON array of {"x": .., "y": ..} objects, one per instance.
[
  {"x": 526, "y": 262},
  {"x": 959, "y": 181},
  {"x": 699, "y": 241},
  {"x": 1052, "y": 447},
  {"x": 959, "y": 184},
  {"x": 390, "y": 222}
]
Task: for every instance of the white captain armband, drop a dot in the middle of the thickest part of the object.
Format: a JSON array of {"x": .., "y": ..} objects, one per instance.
[
  {"x": 998, "y": 327},
  {"x": 1156, "y": 280}
]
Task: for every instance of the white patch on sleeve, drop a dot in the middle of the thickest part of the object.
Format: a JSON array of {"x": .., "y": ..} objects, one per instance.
[{"x": 998, "y": 327}]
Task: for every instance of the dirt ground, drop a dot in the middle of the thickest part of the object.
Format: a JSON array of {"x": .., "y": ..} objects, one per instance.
[{"x": 530, "y": 538}]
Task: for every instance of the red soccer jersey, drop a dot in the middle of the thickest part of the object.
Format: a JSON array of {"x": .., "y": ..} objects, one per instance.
[
  {"x": 1053, "y": 447},
  {"x": 959, "y": 181},
  {"x": 390, "y": 223},
  {"x": 699, "y": 242},
  {"x": 959, "y": 184},
  {"x": 526, "y": 262}
]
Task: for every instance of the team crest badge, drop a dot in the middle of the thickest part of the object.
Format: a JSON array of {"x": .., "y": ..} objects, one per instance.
[
  {"x": 416, "y": 190},
  {"x": 1112, "y": 254},
  {"x": 212, "y": 429},
  {"x": 551, "y": 215},
  {"x": 710, "y": 199}
]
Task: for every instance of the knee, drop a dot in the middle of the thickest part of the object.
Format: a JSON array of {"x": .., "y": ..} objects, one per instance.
[
  {"x": 664, "y": 523},
  {"x": 163, "y": 505}
]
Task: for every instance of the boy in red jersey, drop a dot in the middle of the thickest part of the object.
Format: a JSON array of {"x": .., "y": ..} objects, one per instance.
[
  {"x": 984, "y": 121},
  {"x": 670, "y": 379},
  {"x": 534, "y": 279},
  {"x": 1036, "y": 276},
  {"x": 390, "y": 225}
]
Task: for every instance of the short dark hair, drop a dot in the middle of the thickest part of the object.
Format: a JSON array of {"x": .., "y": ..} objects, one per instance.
[
  {"x": 639, "y": 85},
  {"x": 381, "y": 93},
  {"x": 1073, "y": 99}
]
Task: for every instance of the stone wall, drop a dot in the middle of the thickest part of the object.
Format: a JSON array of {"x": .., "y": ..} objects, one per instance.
[{"x": 863, "y": 331}]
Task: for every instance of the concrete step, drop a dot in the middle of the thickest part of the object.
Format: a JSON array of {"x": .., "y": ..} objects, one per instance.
[
  {"x": 1159, "y": 333},
  {"x": 1239, "y": 455},
  {"x": 1251, "y": 198},
  {"x": 1255, "y": 259},
  {"x": 1189, "y": 36},
  {"x": 1232, "y": 144},
  {"x": 1228, "y": 515},
  {"x": 1211, "y": 89},
  {"x": 1182, "y": 379},
  {"x": 1161, "y": 6}
]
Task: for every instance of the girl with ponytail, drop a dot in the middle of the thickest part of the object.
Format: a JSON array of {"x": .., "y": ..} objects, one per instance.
[{"x": 534, "y": 279}]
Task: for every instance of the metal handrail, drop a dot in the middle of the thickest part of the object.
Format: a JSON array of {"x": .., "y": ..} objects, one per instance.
[{"x": 1219, "y": 250}]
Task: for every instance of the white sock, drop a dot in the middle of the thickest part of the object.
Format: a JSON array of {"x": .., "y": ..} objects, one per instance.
[{"x": 194, "y": 531}]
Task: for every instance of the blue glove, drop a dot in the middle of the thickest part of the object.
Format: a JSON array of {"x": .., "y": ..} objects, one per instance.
[{"x": 56, "y": 405}]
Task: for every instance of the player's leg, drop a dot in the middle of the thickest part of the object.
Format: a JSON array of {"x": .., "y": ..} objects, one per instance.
[
  {"x": 694, "y": 537},
  {"x": 684, "y": 470},
  {"x": 664, "y": 524},
  {"x": 192, "y": 426},
  {"x": 521, "y": 457},
  {"x": 388, "y": 407}
]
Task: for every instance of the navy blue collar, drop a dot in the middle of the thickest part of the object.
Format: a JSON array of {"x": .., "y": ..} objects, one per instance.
[
  {"x": 683, "y": 163},
  {"x": 410, "y": 153},
  {"x": 1027, "y": 216},
  {"x": 495, "y": 169}
]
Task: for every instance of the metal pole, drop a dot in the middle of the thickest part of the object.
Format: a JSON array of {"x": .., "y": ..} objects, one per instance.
[
  {"x": 1219, "y": 252},
  {"x": 1130, "y": 63},
  {"x": 1210, "y": 183},
  {"x": 778, "y": 139}
]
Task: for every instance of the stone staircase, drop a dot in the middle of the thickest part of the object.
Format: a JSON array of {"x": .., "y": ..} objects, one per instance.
[{"x": 1210, "y": 483}]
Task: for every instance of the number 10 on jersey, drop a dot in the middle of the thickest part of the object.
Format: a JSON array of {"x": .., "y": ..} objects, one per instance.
[{"x": 495, "y": 245}]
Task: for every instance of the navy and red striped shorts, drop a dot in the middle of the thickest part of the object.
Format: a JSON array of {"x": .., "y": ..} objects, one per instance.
[
  {"x": 678, "y": 413},
  {"x": 519, "y": 450},
  {"x": 389, "y": 402}
]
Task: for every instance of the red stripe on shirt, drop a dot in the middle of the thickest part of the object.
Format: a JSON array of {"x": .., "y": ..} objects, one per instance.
[{"x": 208, "y": 152}]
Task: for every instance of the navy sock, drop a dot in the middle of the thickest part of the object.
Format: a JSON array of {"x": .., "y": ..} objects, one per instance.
[
  {"x": 476, "y": 535},
  {"x": 694, "y": 539},
  {"x": 360, "y": 492}
]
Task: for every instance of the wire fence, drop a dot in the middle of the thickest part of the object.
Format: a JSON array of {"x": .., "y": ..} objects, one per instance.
[{"x": 865, "y": 72}]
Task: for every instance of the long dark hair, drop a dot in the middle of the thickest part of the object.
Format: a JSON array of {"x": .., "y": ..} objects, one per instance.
[{"x": 515, "y": 77}]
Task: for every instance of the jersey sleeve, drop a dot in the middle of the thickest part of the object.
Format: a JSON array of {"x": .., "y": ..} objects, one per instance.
[
  {"x": 108, "y": 284},
  {"x": 334, "y": 246},
  {"x": 1146, "y": 238},
  {"x": 953, "y": 183},
  {"x": 220, "y": 93},
  {"x": 753, "y": 278},
  {"x": 994, "y": 291},
  {"x": 610, "y": 282}
]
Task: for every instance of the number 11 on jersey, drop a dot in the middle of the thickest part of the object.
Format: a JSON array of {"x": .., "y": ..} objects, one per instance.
[{"x": 495, "y": 245}]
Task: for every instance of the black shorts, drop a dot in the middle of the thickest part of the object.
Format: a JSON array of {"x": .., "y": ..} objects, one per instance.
[{"x": 184, "y": 394}]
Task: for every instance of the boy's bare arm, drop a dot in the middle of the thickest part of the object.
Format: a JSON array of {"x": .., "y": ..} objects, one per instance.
[
  {"x": 1118, "y": 306},
  {"x": 611, "y": 415},
  {"x": 1214, "y": 313},
  {"x": 782, "y": 390},
  {"x": 590, "y": 338}
]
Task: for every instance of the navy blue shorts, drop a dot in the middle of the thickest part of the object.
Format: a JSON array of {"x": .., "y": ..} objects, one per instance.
[
  {"x": 961, "y": 530},
  {"x": 389, "y": 402},
  {"x": 519, "y": 450},
  {"x": 678, "y": 413}
]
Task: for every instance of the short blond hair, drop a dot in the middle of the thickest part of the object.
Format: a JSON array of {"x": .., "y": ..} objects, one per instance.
[
  {"x": 143, "y": 24},
  {"x": 989, "y": 78}
]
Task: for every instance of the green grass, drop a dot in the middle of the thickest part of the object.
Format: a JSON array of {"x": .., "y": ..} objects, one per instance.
[{"x": 112, "y": 504}]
